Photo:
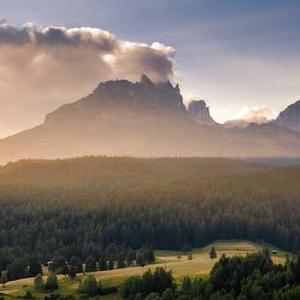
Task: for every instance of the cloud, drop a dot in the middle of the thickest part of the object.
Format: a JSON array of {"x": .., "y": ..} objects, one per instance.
[
  {"x": 256, "y": 114},
  {"x": 44, "y": 67}
]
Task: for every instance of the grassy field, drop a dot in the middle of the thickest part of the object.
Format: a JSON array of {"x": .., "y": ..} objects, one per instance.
[{"x": 178, "y": 262}]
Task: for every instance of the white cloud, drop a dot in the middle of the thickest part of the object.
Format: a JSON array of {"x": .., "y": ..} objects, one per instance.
[
  {"x": 44, "y": 67},
  {"x": 256, "y": 113}
]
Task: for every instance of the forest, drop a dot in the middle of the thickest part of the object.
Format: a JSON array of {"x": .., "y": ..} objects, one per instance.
[
  {"x": 105, "y": 212},
  {"x": 254, "y": 277}
]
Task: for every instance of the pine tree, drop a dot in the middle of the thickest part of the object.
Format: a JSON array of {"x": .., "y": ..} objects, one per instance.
[
  {"x": 89, "y": 286},
  {"x": 51, "y": 282},
  {"x": 4, "y": 278},
  {"x": 39, "y": 283},
  {"x": 212, "y": 253}
]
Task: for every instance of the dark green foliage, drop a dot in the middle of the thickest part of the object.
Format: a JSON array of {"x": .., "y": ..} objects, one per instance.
[
  {"x": 57, "y": 296},
  {"x": 3, "y": 277},
  {"x": 152, "y": 296},
  {"x": 186, "y": 285},
  {"x": 167, "y": 294},
  {"x": 253, "y": 277},
  {"x": 34, "y": 268},
  {"x": 108, "y": 210},
  {"x": 72, "y": 271},
  {"x": 212, "y": 253},
  {"x": 51, "y": 282},
  {"x": 89, "y": 286},
  {"x": 151, "y": 283},
  {"x": 28, "y": 295}
]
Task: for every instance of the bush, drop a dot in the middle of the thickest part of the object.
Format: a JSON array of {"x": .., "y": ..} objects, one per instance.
[
  {"x": 89, "y": 286},
  {"x": 28, "y": 295},
  {"x": 151, "y": 282},
  {"x": 153, "y": 296},
  {"x": 51, "y": 282},
  {"x": 167, "y": 294}
]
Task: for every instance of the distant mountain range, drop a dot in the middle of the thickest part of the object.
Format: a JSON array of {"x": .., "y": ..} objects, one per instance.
[{"x": 149, "y": 119}]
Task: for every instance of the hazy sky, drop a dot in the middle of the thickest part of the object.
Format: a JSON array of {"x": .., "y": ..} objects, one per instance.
[{"x": 238, "y": 55}]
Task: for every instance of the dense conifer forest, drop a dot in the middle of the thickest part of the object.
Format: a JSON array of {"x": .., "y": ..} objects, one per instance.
[{"x": 108, "y": 212}]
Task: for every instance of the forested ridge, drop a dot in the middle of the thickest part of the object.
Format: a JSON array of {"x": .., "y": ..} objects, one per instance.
[{"x": 98, "y": 209}]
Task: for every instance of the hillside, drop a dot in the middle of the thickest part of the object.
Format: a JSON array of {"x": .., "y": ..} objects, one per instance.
[
  {"x": 290, "y": 117},
  {"x": 106, "y": 210}
]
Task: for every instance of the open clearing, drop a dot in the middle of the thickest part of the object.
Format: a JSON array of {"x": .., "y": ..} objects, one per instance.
[{"x": 200, "y": 265}]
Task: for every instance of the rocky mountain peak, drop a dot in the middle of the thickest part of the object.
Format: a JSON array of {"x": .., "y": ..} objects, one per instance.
[
  {"x": 290, "y": 117},
  {"x": 199, "y": 112},
  {"x": 116, "y": 95}
]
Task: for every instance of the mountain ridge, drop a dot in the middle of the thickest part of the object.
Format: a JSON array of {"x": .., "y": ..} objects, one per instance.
[
  {"x": 290, "y": 117},
  {"x": 143, "y": 119}
]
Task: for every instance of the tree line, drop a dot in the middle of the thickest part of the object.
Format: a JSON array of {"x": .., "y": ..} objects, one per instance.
[
  {"x": 100, "y": 213},
  {"x": 254, "y": 277}
]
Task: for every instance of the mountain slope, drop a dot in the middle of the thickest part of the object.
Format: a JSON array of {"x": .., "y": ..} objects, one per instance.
[
  {"x": 290, "y": 117},
  {"x": 141, "y": 119}
]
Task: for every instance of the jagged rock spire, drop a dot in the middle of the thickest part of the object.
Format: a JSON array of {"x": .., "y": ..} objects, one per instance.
[{"x": 199, "y": 112}]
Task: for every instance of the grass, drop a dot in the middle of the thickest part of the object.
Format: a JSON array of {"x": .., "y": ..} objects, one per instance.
[{"x": 178, "y": 262}]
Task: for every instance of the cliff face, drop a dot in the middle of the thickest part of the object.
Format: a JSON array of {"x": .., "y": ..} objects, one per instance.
[
  {"x": 199, "y": 112},
  {"x": 110, "y": 97},
  {"x": 290, "y": 117}
]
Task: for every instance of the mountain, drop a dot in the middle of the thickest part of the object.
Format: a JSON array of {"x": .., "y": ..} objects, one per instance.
[
  {"x": 143, "y": 119},
  {"x": 112, "y": 97},
  {"x": 290, "y": 117},
  {"x": 199, "y": 112}
]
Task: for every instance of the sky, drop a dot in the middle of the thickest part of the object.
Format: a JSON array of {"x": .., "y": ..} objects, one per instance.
[{"x": 240, "y": 56}]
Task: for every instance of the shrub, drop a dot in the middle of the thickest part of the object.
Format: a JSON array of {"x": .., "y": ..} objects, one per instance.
[
  {"x": 89, "y": 286},
  {"x": 51, "y": 282}
]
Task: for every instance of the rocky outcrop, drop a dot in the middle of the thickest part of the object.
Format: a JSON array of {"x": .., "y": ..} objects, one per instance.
[
  {"x": 290, "y": 117},
  {"x": 199, "y": 112},
  {"x": 138, "y": 97}
]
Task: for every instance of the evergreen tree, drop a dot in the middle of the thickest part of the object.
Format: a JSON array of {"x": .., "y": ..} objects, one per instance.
[
  {"x": 4, "y": 278},
  {"x": 89, "y": 286},
  {"x": 39, "y": 283},
  {"x": 72, "y": 272},
  {"x": 51, "y": 282},
  {"x": 212, "y": 253}
]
